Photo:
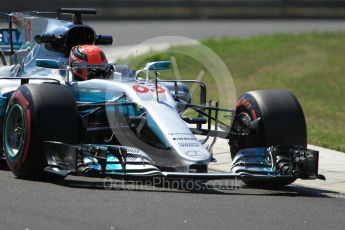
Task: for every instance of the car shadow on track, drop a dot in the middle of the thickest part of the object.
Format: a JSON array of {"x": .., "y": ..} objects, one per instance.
[
  {"x": 224, "y": 187},
  {"x": 221, "y": 188}
]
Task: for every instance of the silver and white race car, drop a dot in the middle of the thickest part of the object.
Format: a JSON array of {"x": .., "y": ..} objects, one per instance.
[{"x": 131, "y": 127}]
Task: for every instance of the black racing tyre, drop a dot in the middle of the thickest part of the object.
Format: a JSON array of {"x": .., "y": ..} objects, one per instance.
[
  {"x": 37, "y": 113},
  {"x": 282, "y": 122}
]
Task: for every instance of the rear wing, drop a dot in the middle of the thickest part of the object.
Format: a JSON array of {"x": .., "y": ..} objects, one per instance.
[
  {"x": 29, "y": 24},
  {"x": 11, "y": 38}
]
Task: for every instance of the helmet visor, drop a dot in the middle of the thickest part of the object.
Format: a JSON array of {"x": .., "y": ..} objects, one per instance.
[{"x": 88, "y": 72}]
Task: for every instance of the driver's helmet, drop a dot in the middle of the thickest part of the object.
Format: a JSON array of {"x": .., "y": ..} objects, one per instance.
[{"x": 88, "y": 62}]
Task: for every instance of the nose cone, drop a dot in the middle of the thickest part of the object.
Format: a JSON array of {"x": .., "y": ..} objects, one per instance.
[{"x": 177, "y": 133}]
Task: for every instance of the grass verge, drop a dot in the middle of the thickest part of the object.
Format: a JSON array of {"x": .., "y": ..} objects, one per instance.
[{"x": 311, "y": 66}]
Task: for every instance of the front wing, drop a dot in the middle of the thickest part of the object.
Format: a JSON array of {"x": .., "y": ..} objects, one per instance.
[{"x": 121, "y": 162}]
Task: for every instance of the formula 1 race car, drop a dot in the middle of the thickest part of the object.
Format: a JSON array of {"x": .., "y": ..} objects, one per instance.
[{"x": 127, "y": 126}]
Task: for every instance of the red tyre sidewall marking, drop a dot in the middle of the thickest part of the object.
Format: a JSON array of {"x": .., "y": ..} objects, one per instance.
[
  {"x": 140, "y": 89},
  {"x": 247, "y": 104},
  {"x": 25, "y": 104}
]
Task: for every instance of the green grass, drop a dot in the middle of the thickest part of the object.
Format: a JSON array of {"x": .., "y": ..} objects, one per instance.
[{"x": 311, "y": 66}]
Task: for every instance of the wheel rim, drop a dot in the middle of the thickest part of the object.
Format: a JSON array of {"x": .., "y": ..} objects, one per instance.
[
  {"x": 242, "y": 122},
  {"x": 14, "y": 131}
]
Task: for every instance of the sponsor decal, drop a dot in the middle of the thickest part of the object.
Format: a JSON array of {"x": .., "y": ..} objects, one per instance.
[
  {"x": 195, "y": 144},
  {"x": 27, "y": 29},
  {"x": 195, "y": 154},
  {"x": 178, "y": 134},
  {"x": 132, "y": 150},
  {"x": 184, "y": 139}
]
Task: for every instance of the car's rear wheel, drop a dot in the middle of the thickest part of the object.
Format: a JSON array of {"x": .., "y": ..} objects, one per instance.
[
  {"x": 37, "y": 113},
  {"x": 281, "y": 122}
]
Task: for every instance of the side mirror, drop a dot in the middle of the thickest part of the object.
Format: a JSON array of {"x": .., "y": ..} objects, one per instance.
[
  {"x": 158, "y": 65},
  {"x": 5, "y": 40},
  {"x": 155, "y": 66},
  {"x": 49, "y": 63}
]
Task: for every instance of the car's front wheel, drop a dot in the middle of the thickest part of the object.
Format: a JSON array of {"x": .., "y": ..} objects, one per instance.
[
  {"x": 281, "y": 122},
  {"x": 37, "y": 113}
]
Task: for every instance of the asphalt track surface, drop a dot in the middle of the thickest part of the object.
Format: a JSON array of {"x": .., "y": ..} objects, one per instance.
[{"x": 83, "y": 203}]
